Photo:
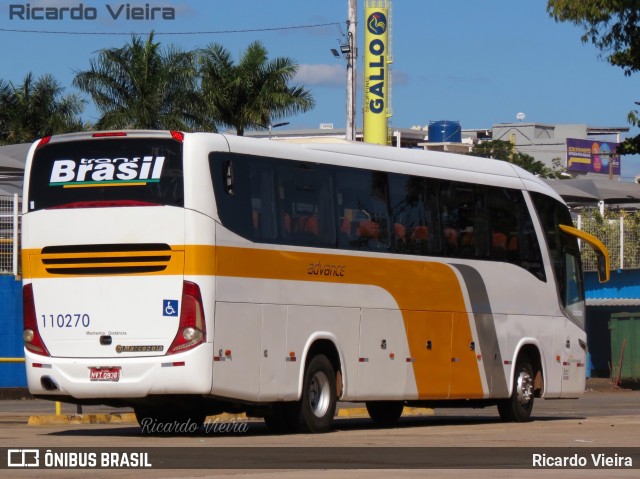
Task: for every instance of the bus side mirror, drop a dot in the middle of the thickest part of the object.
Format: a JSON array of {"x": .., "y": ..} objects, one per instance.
[
  {"x": 602, "y": 254},
  {"x": 603, "y": 270}
]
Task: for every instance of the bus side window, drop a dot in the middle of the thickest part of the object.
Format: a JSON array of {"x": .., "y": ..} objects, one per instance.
[
  {"x": 306, "y": 204},
  {"x": 411, "y": 215},
  {"x": 363, "y": 214},
  {"x": 262, "y": 201},
  {"x": 513, "y": 238},
  {"x": 230, "y": 176}
]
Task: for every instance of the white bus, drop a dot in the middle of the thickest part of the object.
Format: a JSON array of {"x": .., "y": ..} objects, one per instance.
[{"x": 186, "y": 274}]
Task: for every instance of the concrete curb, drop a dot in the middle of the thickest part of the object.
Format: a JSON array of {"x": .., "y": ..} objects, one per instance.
[
  {"x": 407, "y": 412},
  {"x": 113, "y": 418},
  {"x": 130, "y": 418},
  {"x": 51, "y": 419}
]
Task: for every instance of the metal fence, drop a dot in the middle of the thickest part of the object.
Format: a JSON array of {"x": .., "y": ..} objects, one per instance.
[
  {"x": 620, "y": 233},
  {"x": 10, "y": 235}
]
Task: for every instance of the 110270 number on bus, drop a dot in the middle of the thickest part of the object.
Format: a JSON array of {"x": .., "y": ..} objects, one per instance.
[{"x": 69, "y": 320}]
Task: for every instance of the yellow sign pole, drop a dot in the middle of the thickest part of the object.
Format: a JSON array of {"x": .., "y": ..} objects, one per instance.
[{"x": 376, "y": 71}]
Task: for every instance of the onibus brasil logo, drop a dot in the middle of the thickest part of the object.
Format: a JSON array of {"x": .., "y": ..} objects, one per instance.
[
  {"x": 87, "y": 172},
  {"x": 377, "y": 23}
]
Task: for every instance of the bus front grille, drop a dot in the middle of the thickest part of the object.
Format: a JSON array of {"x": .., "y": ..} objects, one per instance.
[{"x": 104, "y": 259}]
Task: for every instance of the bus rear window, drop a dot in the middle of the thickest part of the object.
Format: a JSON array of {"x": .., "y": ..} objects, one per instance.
[{"x": 107, "y": 172}]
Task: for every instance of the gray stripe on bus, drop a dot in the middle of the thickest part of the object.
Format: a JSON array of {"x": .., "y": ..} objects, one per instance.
[{"x": 486, "y": 330}]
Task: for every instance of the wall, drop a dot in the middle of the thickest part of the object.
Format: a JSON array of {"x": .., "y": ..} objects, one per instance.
[
  {"x": 621, "y": 294},
  {"x": 11, "y": 374}
]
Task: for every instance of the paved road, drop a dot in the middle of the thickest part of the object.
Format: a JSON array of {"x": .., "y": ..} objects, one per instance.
[{"x": 598, "y": 420}]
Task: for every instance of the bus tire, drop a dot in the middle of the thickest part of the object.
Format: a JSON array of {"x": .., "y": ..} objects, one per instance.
[
  {"x": 385, "y": 413},
  {"x": 317, "y": 406},
  {"x": 519, "y": 406},
  {"x": 159, "y": 421}
]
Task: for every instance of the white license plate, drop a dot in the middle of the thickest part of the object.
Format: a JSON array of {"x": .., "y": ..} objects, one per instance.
[{"x": 104, "y": 374}]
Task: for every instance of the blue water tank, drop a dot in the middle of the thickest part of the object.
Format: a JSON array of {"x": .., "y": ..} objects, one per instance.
[{"x": 445, "y": 132}]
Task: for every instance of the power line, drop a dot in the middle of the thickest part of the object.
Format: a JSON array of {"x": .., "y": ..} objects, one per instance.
[{"x": 213, "y": 32}]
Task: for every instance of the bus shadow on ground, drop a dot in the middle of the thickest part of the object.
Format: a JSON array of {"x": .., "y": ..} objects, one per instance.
[{"x": 255, "y": 428}]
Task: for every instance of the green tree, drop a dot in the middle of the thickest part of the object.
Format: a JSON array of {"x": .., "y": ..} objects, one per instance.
[
  {"x": 503, "y": 150},
  {"x": 496, "y": 149},
  {"x": 612, "y": 26},
  {"x": 252, "y": 93},
  {"x": 36, "y": 108},
  {"x": 141, "y": 85}
]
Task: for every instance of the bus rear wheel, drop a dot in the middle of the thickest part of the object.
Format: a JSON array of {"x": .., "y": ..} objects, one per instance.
[
  {"x": 519, "y": 406},
  {"x": 385, "y": 413},
  {"x": 317, "y": 406}
]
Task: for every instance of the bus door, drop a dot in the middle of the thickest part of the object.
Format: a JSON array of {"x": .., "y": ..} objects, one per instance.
[{"x": 573, "y": 300}]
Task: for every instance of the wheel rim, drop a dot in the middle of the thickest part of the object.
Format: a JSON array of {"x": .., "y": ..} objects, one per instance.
[
  {"x": 319, "y": 394},
  {"x": 524, "y": 388}
]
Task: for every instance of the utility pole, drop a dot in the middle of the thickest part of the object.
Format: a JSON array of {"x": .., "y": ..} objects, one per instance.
[{"x": 352, "y": 56}]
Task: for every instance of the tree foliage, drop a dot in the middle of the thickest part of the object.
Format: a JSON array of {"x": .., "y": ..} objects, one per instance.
[
  {"x": 613, "y": 26},
  {"x": 504, "y": 151},
  {"x": 36, "y": 108},
  {"x": 253, "y": 92},
  {"x": 142, "y": 85}
]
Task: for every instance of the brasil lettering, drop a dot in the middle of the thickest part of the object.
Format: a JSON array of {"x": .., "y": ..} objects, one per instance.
[
  {"x": 89, "y": 172},
  {"x": 124, "y": 11}
]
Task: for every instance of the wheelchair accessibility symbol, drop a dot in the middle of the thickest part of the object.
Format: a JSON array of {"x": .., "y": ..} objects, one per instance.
[{"x": 169, "y": 307}]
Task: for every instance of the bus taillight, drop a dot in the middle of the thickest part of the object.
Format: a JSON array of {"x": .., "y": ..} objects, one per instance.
[
  {"x": 177, "y": 135},
  {"x": 192, "y": 329},
  {"x": 32, "y": 339},
  {"x": 43, "y": 141}
]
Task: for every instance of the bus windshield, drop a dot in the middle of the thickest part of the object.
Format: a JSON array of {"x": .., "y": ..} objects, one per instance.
[{"x": 107, "y": 172}]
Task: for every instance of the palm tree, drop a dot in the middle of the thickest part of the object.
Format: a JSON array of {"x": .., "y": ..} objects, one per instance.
[
  {"x": 143, "y": 86},
  {"x": 35, "y": 109},
  {"x": 251, "y": 93}
]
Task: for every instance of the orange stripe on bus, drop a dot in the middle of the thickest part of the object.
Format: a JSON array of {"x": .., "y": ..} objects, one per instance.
[{"x": 428, "y": 294}]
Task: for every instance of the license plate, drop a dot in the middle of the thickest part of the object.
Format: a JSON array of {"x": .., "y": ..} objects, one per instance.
[{"x": 104, "y": 374}]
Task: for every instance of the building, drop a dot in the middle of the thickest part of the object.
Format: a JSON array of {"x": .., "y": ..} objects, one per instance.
[{"x": 546, "y": 142}]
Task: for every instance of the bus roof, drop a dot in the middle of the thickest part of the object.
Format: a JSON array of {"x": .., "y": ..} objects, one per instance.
[
  {"x": 348, "y": 153},
  {"x": 441, "y": 164}
]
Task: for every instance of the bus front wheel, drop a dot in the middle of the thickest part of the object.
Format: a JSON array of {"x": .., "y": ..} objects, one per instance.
[{"x": 518, "y": 407}]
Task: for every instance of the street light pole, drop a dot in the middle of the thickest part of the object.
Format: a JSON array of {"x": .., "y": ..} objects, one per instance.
[
  {"x": 272, "y": 126},
  {"x": 352, "y": 55}
]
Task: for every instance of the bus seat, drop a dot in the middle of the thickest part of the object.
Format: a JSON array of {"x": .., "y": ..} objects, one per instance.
[
  {"x": 499, "y": 240},
  {"x": 466, "y": 239},
  {"x": 308, "y": 224},
  {"x": 368, "y": 229},
  {"x": 400, "y": 231},
  {"x": 499, "y": 246},
  {"x": 345, "y": 226},
  {"x": 286, "y": 223},
  {"x": 420, "y": 233}
]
